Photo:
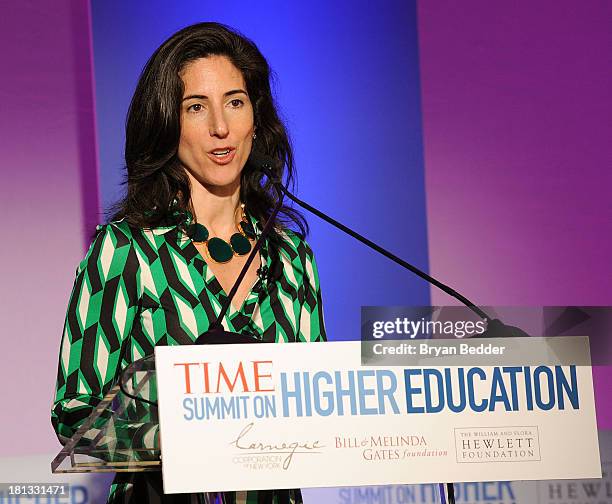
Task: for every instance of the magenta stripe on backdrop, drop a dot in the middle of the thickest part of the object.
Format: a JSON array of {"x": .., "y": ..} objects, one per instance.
[
  {"x": 49, "y": 199},
  {"x": 516, "y": 121}
]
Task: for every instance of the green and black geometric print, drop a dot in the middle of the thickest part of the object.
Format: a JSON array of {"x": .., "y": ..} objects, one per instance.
[{"x": 139, "y": 288}]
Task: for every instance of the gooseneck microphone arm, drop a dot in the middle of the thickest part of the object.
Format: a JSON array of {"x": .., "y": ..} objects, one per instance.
[
  {"x": 216, "y": 325},
  {"x": 265, "y": 164}
]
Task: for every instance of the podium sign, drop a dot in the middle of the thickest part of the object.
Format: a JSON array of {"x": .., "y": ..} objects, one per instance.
[{"x": 250, "y": 417}]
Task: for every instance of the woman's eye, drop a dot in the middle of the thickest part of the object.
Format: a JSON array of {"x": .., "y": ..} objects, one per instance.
[
  {"x": 196, "y": 107},
  {"x": 236, "y": 103}
]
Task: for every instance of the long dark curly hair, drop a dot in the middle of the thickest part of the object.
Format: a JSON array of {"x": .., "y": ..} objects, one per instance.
[{"x": 157, "y": 185}]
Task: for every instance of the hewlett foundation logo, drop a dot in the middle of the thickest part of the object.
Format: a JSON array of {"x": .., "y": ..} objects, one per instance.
[{"x": 486, "y": 445}]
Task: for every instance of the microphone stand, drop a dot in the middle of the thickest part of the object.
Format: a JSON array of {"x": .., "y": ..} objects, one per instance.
[
  {"x": 265, "y": 166},
  {"x": 369, "y": 243},
  {"x": 495, "y": 327},
  {"x": 216, "y": 333}
]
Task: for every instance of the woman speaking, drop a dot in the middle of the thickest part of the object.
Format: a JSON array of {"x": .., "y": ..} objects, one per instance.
[{"x": 159, "y": 271}]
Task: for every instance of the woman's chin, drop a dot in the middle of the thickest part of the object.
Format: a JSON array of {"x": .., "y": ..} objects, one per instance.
[
  {"x": 218, "y": 181},
  {"x": 222, "y": 184}
]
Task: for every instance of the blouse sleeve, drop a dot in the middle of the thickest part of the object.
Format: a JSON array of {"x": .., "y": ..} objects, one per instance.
[
  {"x": 101, "y": 311},
  {"x": 312, "y": 325}
]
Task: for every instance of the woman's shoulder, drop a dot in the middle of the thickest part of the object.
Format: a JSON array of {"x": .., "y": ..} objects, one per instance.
[
  {"x": 120, "y": 237},
  {"x": 295, "y": 242},
  {"x": 295, "y": 252},
  {"x": 123, "y": 231},
  {"x": 117, "y": 228},
  {"x": 283, "y": 238},
  {"x": 109, "y": 251}
]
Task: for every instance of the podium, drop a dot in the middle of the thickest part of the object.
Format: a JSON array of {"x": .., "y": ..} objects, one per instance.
[
  {"x": 287, "y": 416},
  {"x": 121, "y": 434}
]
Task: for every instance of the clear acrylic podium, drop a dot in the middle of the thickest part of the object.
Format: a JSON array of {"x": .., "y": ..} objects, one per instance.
[{"x": 121, "y": 434}]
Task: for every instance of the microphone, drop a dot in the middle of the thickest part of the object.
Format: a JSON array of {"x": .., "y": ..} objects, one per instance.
[{"x": 269, "y": 165}]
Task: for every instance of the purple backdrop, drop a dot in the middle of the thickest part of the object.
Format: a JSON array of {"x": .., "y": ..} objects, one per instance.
[
  {"x": 516, "y": 122},
  {"x": 516, "y": 111},
  {"x": 49, "y": 200}
]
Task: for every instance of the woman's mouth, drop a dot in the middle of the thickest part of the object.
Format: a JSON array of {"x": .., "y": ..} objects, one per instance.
[{"x": 222, "y": 156}]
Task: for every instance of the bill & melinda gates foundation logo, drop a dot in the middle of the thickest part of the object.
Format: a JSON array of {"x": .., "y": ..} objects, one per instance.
[{"x": 398, "y": 447}]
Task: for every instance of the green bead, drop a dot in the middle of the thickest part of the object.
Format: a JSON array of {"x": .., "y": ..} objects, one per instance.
[
  {"x": 219, "y": 250},
  {"x": 198, "y": 233},
  {"x": 240, "y": 244},
  {"x": 248, "y": 229}
]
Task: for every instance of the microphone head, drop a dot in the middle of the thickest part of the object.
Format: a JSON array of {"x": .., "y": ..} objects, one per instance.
[
  {"x": 262, "y": 161},
  {"x": 268, "y": 166}
]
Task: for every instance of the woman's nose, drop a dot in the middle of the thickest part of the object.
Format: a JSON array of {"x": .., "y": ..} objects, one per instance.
[{"x": 218, "y": 125}]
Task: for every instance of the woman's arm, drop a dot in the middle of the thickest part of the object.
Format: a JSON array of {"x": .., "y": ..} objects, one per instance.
[{"x": 101, "y": 310}]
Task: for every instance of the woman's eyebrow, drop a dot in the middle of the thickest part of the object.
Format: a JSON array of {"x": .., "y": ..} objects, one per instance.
[{"x": 204, "y": 97}]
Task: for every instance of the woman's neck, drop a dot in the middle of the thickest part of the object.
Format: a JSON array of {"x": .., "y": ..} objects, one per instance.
[{"x": 216, "y": 207}]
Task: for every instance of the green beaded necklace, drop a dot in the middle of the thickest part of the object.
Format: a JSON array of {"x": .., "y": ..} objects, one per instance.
[{"x": 219, "y": 250}]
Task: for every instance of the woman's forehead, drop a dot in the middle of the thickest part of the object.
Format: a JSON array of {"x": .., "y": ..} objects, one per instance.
[{"x": 213, "y": 73}]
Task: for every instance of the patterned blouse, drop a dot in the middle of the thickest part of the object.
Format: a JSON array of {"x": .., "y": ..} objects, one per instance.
[{"x": 139, "y": 288}]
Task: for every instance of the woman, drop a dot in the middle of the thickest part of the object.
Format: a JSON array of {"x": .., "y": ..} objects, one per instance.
[{"x": 158, "y": 273}]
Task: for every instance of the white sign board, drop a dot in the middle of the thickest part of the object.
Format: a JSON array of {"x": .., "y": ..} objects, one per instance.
[{"x": 261, "y": 416}]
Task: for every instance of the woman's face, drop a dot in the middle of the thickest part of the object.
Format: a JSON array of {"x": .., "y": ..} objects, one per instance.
[{"x": 216, "y": 122}]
